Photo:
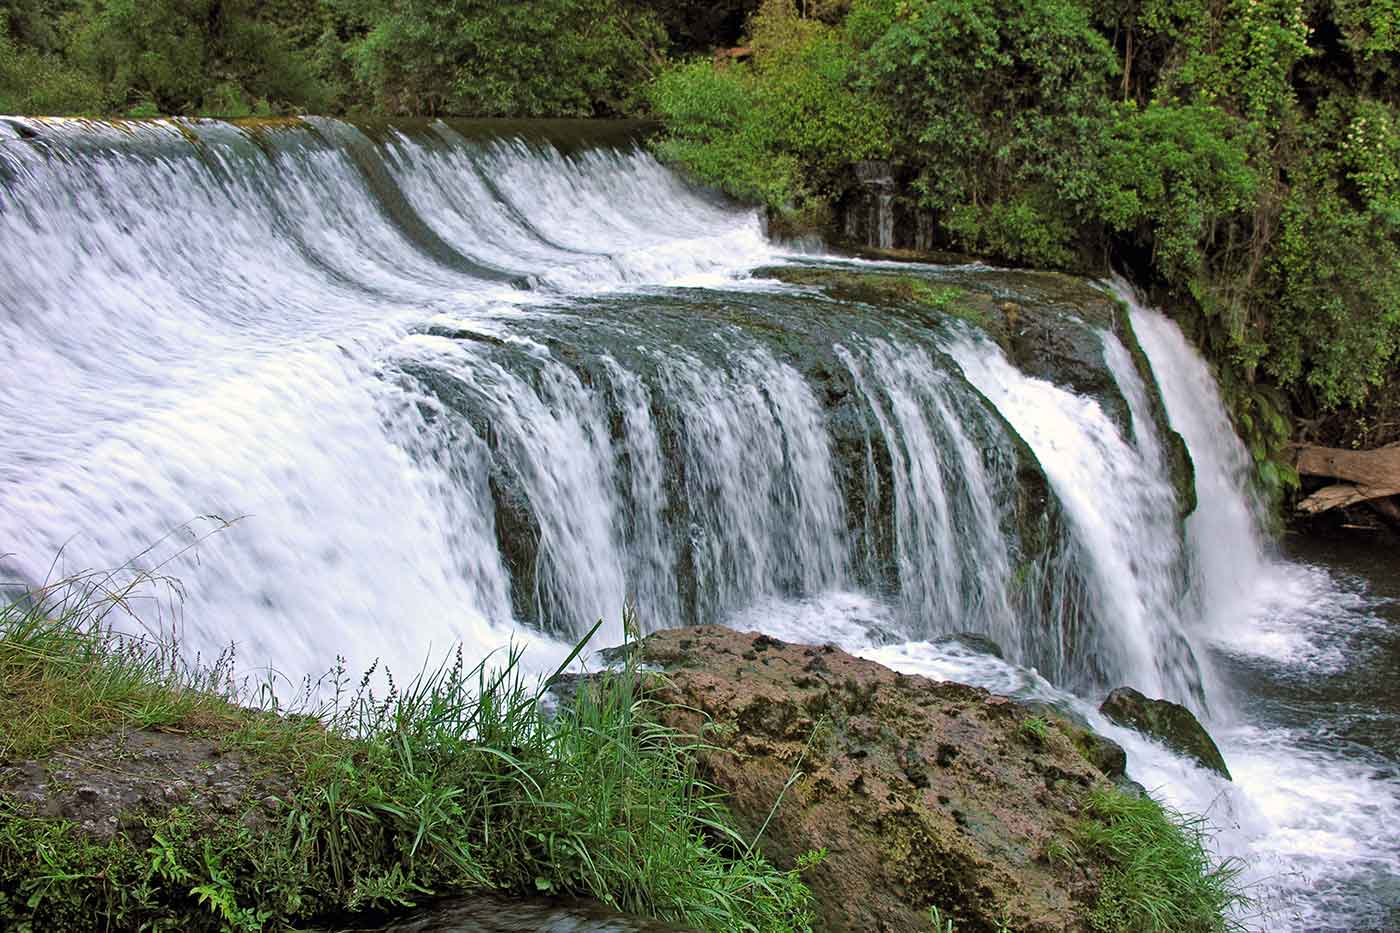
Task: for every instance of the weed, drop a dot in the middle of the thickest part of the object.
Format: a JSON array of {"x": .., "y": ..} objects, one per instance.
[
  {"x": 1036, "y": 730},
  {"x": 941, "y": 922},
  {"x": 1160, "y": 876}
]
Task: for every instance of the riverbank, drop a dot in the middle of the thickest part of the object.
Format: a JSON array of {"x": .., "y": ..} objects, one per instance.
[
  {"x": 153, "y": 798},
  {"x": 153, "y": 795}
]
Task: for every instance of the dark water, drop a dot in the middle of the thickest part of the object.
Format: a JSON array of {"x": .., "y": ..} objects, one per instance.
[{"x": 1361, "y": 701}]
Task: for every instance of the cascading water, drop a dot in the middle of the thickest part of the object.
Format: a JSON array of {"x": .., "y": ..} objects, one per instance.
[
  {"x": 1225, "y": 537},
  {"x": 1316, "y": 798},
  {"x": 1121, "y": 507},
  {"x": 470, "y": 389}
]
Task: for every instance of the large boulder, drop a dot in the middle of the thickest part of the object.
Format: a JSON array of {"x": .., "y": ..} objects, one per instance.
[
  {"x": 1169, "y": 723},
  {"x": 922, "y": 793},
  {"x": 1099, "y": 750}
]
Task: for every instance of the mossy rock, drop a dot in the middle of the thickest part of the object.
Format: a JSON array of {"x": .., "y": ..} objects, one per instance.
[{"x": 1169, "y": 723}]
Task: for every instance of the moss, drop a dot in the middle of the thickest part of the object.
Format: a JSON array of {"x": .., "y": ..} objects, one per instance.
[{"x": 907, "y": 292}]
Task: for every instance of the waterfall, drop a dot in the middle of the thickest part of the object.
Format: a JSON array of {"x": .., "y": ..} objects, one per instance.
[
  {"x": 1123, "y": 513},
  {"x": 426, "y": 374},
  {"x": 458, "y": 388},
  {"x": 201, "y": 319},
  {"x": 1225, "y": 540},
  {"x": 948, "y": 504}
]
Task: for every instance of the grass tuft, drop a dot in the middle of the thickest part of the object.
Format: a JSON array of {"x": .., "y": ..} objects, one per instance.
[
  {"x": 1160, "y": 876},
  {"x": 68, "y": 673},
  {"x": 457, "y": 780}
]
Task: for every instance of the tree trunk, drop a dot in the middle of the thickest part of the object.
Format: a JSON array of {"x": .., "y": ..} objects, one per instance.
[{"x": 1365, "y": 475}]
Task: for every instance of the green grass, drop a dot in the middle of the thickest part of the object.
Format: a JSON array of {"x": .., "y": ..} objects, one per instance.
[
  {"x": 67, "y": 676},
  {"x": 1035, "y": 730},
  {"x": 1160, "y": 875},
  {"x": 452, "y": 782}
]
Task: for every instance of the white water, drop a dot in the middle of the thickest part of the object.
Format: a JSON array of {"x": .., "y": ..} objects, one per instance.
[
  {"x": 220, "y": 332},
  {"x": 944, "y": 506},
  {"x": 331, "y": 337},
  {"x": 1122, "y": 509},
  {"x": 1314, "y": 817}
]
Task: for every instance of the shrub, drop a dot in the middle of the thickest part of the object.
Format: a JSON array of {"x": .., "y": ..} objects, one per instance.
[
  {"x": 574, "y": 58},
  {"x": 781, "y": 130},
  {"x": 39, "y": 82}
]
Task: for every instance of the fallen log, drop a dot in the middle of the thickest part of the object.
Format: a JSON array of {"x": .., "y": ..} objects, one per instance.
[{"x": 1366, "y": 475}]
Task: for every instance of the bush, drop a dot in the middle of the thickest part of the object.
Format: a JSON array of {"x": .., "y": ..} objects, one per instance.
[
  {"x": 1170, "y": 177},
  {"x": 1336, "y": 266},
  {"x": 574, "y": 58},
  {"x": 197, "y": 57},
  {"x": 781, "y": 130},
  {"x": 32, "y": 81}
]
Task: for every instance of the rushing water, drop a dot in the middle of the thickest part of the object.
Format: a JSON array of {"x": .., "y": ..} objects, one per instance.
[{"x": 456, "y": 386}]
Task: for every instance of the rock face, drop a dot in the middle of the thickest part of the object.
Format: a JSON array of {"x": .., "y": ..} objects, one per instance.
[
  {"x": 1170, "y": 723},
  {"x": 1099, "y": 750},
  {"x": 923, "y": 794}
]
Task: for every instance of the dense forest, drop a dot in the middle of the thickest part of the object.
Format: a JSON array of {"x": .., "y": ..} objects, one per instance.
[{"x": 1242, "y": 157}]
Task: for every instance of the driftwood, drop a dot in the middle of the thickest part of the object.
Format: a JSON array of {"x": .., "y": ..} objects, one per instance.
[{"x": 1366, "y": 475}]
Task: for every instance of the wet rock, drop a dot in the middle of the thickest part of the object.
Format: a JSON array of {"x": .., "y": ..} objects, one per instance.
[
  {"x": 1099, "y": 750},
  {"x": 493, "y": 914},
  {"x": 974, "y": 642},
  {"x": 1169, "y": 723},
  {"x": 1180, "y": 466},
  {"x": 923, "y": 793},
  {"x": 517, "y": 537}
]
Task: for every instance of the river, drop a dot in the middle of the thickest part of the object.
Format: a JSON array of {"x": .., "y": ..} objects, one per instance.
[{"x": 375, "y": 391}]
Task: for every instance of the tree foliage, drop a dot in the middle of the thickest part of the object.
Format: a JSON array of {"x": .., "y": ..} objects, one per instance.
[
  {"x": 241, "y": 57},
  {"x": 534, "y": 58},
  {"x": 152, "y": 56},
  {"x": 1242, "y": 156},
  {"x": 782, "y": 129}
]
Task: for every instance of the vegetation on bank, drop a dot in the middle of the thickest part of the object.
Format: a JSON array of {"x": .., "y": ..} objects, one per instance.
[
  {"x": 454, "y": 782},
  {"x": 1162, "y": 877},
  {"x": 235, "y": 58},
  {"x": 1241, "y": 157}
]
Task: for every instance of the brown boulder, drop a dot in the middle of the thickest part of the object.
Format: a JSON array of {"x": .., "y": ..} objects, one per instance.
[{"x": 924, "y": 794}]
